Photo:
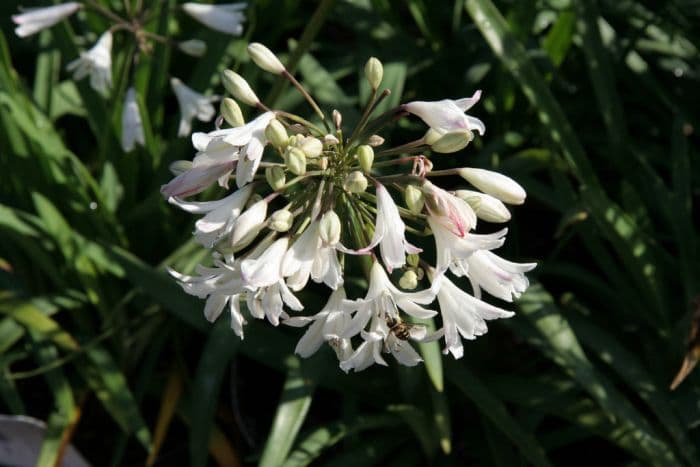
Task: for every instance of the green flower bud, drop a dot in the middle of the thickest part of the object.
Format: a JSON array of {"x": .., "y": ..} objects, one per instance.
[
  {"x": 312, "y": 147},
  {"x": 330, "y": 228},
  {"x": 485, "y": 206},
  {"x": 296, "y": 161},
  {"x": 452, "y": 142},
  {"x": 412, "y": 259},
  {"x": 193, "y": 47},
  {"x": 264, "y": 58},
  {"x": 365, "y": 155},
  {"x": 355, "y": 182},
  {"x": 281, "y": 221},
  {"x": 276, "y": 134},
  {"x": 414, "y": 199},
  {"x": 231, "y": 112},
  {"x": 374, "y": 72},
  {"x": 294, "y": 140},
  {"x": 409, "y": 280},
  {"x": 239, "y": 88},
  {"x": 323, "y": 163},
  {"x": 275, "y": 177}
]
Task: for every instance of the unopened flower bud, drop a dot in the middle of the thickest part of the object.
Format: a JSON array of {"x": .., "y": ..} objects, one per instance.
[
  {"x": 495, "y": 184},
  {"x": 275, "y": 177},
  {"x": 193, "y": 47},
  {"x": 375, "y": 140},
  {"x": 276, "y": 134},
  {"x": 374, "y": 72},
  {"x": 412, "y": 259},
  {"x": 249, "y": 224},
  {"x": 323, "y": 163},
  {"x": 179, "y": 167},
  {"x": 239, "y": 87},
  {"x": 355, "y": 182},
  {"x": 414, "y": 199},
  {"x": 409, "y": 280},
  {"x": 452, "y": 142},
  {"x": 337, "y": 119},
  {"x": 312, "y": 147},
  {"x": 296, "y": 161},
  {"x": 330, "y": 140},
  {"x": 330, "y": 228},
  {"x": 294, "y": 140},
  {"x": 264, "y": 58},
  {"x": 365, "y": 155},
  {"x": 485, "y": 206},
  {"x": 281, "y": 221},
  {"x": 231, "y": 112}
]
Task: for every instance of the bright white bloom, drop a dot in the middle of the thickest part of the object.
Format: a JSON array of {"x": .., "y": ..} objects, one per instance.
[
  {"x": 311, "y": 255},
  {"x": 267, "y": 291},
  {"x": 97, "y": 62},
  {"x": 132, "y": 125},
  {"x": 464, "y": 315},
  {"x": 389, "y": 232},
  {"x": 218, "y": 153},
  {"x": 384, "y": 300},
  {"x": 448, "y": 115},
  {"x": 328, "y": 325},
  {"x": 220, "y": 215},
  {"x": 221, "y": 285},
  {"x": 499, "y": 277},
  {"x": 192, "y": 104},
  {"x": 34, "y": 20},
  {"x": 495, "y": 184},
  {"x": 451, "y": 212},
  {"x": 382, "y": 337},
  {"x": 226, "y": 17},
  {"x": 249, "y": 224}
]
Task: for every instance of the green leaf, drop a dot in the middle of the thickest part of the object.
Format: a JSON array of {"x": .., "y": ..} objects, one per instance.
[
  {"x": 321, "y": 439},
  {"x": 494, "y": 410},
  {"x": 28, "y": 315},
  {"x": 291, "y": 412},
  {"x": 218, "y": 350}
]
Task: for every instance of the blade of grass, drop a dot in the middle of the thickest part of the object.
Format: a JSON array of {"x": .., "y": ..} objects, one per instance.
[{"x": 295, "y": 401}]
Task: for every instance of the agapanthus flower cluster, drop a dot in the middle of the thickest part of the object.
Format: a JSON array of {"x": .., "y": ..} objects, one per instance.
[
  {"x": 311, "y": 202},
  {"x": 96, "y": 62}
]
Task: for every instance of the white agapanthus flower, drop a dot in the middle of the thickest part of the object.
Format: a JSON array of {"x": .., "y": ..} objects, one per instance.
[
  {"x": 389, "y": 232},
  {"x": 314, "y": 255},
  {"x": 225, "y": 17},
  {"x": 192, "y": 104},
  {"x": 328, "y": 325},
  {"x": 96, "y": 62},
  {"x": 328, "y": 206},
  {"x": 218, "y": 154},
  {"x": 132, "y": 125},
  {"x": 33, "y": 20},
  {"x": 448, "y": 115},
  {"x": 463, "y": 315},
  {"x": 220, "y": 215}
]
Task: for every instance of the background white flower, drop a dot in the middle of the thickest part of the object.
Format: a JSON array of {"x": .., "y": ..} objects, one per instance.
[
  {"x": 132, "y": 125},
  {"x": 34, "y": 20},
  {"x": 96, "y": 62},
  {"x": 226, "y": 17},
  {"x": 192, "y": 104}
]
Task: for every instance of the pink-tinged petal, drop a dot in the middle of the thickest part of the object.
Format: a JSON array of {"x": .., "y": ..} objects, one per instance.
[{"x": 467, "y": 103}]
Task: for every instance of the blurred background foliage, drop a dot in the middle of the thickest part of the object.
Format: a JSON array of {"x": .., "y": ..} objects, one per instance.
[{"x": 591, "y": 105}]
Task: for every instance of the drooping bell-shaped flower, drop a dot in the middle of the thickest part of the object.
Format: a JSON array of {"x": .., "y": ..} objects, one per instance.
[
  {"x": 463, "y": 315},
  {"x": 33, "y": 20},
  {"x": 132, "y": 125},
  {"x": 220, "y": 216},
  {"x": 448, "y": 115},
  {"x": 501, "y": 278},
  {"x": 96, "y": 62},
  {"x": 192, "y": 104},
  {"x": 225, "y": 17}
]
